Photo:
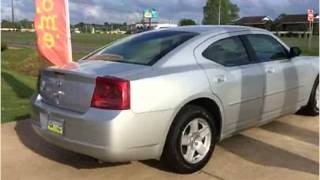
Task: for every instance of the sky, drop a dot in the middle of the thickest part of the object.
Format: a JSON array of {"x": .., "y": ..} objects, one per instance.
[{"x": 119, "y": 11}]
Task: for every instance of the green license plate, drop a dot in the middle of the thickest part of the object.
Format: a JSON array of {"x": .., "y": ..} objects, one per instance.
[{"x": 55, "y": 126}]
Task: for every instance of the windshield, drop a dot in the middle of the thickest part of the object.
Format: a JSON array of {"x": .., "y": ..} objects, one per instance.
[{"x": 146, "y": 48}]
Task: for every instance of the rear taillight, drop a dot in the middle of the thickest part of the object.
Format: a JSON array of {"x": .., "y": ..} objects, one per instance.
[{"x": 111, "y": 93}]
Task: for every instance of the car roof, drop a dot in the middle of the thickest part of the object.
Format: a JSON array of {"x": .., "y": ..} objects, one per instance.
[{"x": 214, "y": 29}]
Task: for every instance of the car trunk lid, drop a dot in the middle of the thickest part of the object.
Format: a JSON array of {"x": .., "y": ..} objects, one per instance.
[{"x": 71, "y": 87}]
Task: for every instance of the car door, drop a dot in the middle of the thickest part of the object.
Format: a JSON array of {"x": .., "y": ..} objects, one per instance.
[
  {"x": 282, "y": 92},
  {"x": 234, "y": 79}
]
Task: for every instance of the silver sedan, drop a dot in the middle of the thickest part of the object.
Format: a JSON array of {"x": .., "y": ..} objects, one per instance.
[{"x": 172, "y": 94}]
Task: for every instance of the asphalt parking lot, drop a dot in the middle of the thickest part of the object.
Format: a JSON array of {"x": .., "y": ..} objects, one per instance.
[{"x": 287, "y": 148}]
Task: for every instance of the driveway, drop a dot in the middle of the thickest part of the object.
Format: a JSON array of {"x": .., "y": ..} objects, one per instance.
[{"x": 284, "y": 149}]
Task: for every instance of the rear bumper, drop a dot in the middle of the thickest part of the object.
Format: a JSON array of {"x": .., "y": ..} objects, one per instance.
[{"x": 109, "y": 135}]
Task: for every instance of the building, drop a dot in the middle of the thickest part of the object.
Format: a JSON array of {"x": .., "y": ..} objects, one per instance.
[
  {"x": 116, "y": 31},
  {"x": 295, "y": 24},
  {"x": 264, "y": 22},
  {"x": 140, "y": 27},
  {"x": 18, "y": 29},
  {"x": 76, "y": 30}
]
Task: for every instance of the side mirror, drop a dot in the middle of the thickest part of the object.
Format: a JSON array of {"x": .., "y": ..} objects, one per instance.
[{"x": 294, "y": 51}]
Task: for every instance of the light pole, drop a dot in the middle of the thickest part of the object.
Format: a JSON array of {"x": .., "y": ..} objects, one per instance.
[
  {"x": 12, "y": 11},
  {"x": 219, "y": 18}
]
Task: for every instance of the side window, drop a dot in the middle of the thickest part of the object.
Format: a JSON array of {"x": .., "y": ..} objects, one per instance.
[
  {"x": 267, "y": 48},
  {"x": 228, "y": 52}
]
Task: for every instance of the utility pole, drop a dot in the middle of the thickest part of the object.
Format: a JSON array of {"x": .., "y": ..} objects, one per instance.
[
  {"x": 311, "y": 20},
  {"x": 12, "y": 11},
  {"x": 219, "y": 18},
  {"x": 310, "y": 35}
]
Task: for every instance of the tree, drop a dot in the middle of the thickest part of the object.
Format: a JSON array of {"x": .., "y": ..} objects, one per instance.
[
  {"x": 186, "y": 22},
  {"x": 228, "y": 12},
  {"x": 82, "y": 27},
  {"x": 25, "y": 23},
  {"x": 7, "y": 24}
]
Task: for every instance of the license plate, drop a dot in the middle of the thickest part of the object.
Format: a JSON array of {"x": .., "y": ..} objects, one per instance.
[{"x": 55, "y": 126}]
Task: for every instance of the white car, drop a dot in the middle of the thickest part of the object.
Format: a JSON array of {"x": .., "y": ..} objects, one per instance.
[{"x": 172, "y": 94}]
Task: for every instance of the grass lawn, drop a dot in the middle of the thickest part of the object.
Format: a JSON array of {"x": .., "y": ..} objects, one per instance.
[
  {"x": 81, "y": 43},
  {"x": 20, "y": 67},
  {"x": 303, "y": 45},
  {"x": 16, "y": 91},
  {"x": 16, "y": 87}
]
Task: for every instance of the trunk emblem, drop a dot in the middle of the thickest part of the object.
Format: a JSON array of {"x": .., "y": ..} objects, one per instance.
[
  {"x": 59, "y": 93},
  {"x": 59, "y": 83},
  {"x": 57, "y": 96}
]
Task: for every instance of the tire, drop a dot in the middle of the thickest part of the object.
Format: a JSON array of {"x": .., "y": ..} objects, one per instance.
[
  {"x": 177, "y": 153},
  {"x": 312, "y": 108}
]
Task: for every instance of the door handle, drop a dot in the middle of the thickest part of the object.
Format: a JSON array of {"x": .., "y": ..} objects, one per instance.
[{"x": 271, "y": 70}]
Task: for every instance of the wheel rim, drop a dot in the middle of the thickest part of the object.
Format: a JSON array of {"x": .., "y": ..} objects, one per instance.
[
  {"x": 195, "y": 140},
  {"x": 317, "y": 97}
]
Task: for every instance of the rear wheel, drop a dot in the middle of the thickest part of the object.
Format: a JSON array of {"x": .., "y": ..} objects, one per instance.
[
  {"x": 312, "y": 108},
  {"x": 190, "y": 141}
]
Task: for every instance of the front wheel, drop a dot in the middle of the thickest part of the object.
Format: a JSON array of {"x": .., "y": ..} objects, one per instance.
[{"x": 190, "y": 141}]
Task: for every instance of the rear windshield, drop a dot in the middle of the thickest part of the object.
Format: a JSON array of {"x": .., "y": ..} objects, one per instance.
[{"x": 145, "y": 49}]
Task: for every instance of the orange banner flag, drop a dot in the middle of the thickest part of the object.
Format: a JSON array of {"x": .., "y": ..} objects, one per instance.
[{"x": 52, "y": 27}]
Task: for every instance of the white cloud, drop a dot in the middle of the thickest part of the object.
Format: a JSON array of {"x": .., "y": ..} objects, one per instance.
[
  {"x": 100, "y": 11},
  {"x": 275, "y": 7}
]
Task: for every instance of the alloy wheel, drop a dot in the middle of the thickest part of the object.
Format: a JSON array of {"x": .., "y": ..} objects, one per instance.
[{"x": 195, "y": 140}]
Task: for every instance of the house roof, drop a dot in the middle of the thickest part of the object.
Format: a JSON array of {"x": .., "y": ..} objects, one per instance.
[
  {"x": 293, "y": 19},
  {"x": 253, "y": 20}
]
